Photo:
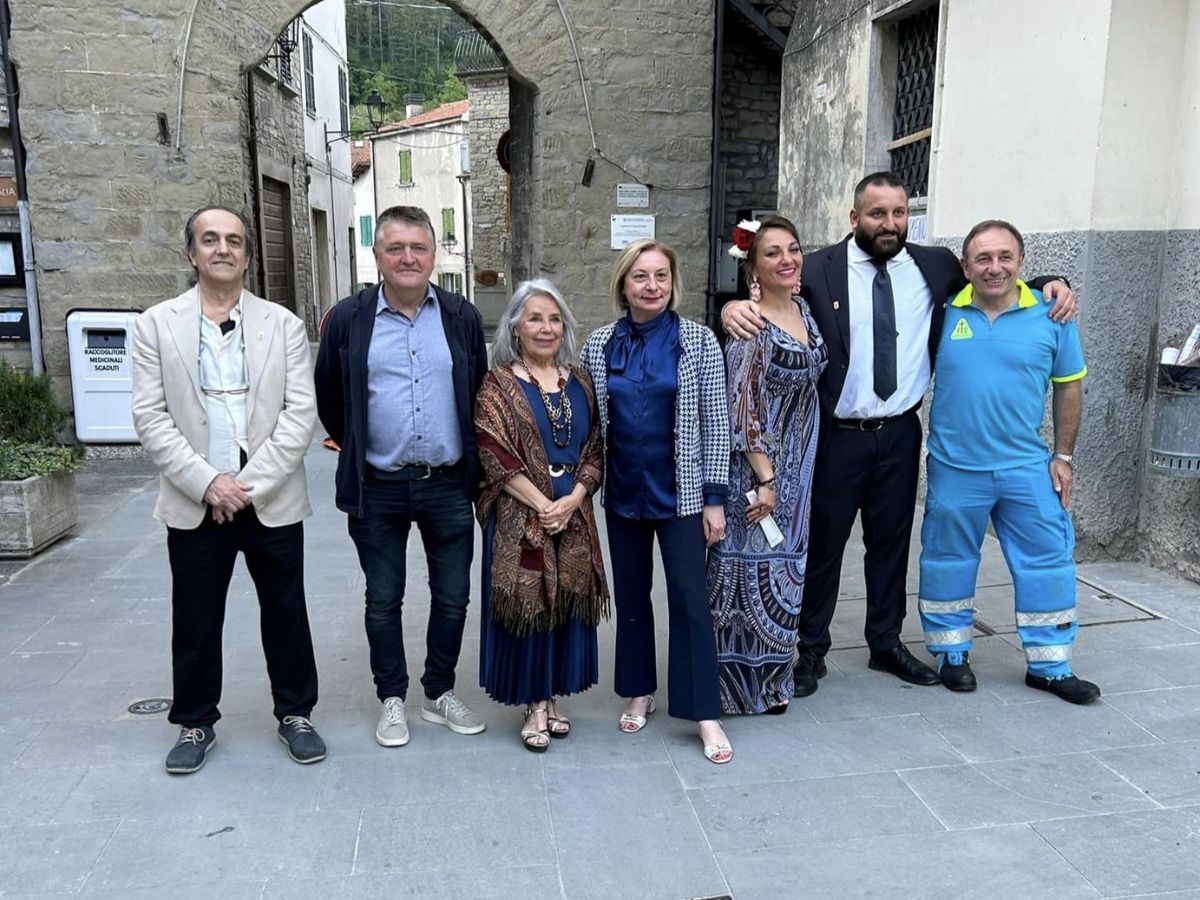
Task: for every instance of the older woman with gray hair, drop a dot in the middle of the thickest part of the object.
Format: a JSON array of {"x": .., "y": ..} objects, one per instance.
[{"x": 544, "y": 589}]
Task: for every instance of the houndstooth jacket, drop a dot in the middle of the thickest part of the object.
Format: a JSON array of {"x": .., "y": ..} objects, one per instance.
[{"x": 701, "y": 411}]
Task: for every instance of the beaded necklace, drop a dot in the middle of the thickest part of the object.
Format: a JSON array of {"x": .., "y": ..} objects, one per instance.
[{"x": 560, "y": 417}]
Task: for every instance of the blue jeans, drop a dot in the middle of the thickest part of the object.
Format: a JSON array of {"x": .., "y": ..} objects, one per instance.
[{"x": 442, "y": 513}]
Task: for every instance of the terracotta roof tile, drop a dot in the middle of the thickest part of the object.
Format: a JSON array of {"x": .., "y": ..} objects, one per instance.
[{"x": 443, "y": 113}]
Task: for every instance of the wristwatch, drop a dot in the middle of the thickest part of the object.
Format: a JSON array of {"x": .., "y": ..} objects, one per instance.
[{"x": 1065, "y": 457}]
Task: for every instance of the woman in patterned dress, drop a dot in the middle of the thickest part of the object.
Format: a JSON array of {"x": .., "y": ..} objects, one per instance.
[{"x": 754, "y": 589}]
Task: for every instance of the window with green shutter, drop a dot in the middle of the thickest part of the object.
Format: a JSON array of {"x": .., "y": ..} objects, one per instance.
[
  {"x": 366, "y": 235},
  {"x": 406, "y": 173},
  {"x": 451, "y": 281},
  {"x": 310, "y": 83},
  {"x": 448, "y": 225}
]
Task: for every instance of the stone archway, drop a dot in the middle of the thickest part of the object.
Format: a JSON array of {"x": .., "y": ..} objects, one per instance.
[{"x": 113, "y": 170}]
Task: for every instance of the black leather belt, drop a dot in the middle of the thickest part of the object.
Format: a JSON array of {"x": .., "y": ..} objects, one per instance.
[
  {"x": 872, "y": 424},
  {"x": 414, "y": 472}
]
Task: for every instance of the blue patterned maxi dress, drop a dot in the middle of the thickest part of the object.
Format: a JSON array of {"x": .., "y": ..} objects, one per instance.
[{"x": 753, "y": 590}]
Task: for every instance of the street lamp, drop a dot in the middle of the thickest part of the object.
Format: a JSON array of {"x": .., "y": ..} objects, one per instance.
[{"x": 375, "y": 107}]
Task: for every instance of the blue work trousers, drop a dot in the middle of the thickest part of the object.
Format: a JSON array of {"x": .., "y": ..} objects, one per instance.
[{"x": 1038, "y": 541}]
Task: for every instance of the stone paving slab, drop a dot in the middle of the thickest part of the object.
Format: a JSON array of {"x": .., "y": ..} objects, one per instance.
[{"x": 870, "y": 787}]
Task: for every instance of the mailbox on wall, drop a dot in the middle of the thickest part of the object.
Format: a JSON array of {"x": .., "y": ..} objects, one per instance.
[{"x": 98, "y": 345}]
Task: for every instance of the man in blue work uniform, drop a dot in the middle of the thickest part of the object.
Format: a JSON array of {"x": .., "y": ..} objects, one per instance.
[{"x": 999, "y": 351}]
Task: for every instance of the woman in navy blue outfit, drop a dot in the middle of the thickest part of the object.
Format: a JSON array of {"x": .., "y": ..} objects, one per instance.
[
  {"x": 660, "y": 396},
  {"x": 544, "y": 589}
]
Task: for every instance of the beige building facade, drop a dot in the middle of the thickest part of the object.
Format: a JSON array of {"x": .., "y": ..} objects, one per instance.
[{"x": 1079, "y": 121}]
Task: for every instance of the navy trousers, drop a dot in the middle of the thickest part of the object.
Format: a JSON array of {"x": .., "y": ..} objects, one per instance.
[{"x": 692, "y": 679}]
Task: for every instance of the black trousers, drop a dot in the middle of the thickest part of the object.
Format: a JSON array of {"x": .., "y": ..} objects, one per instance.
[
  {"x": 202, "y": 562},
  {"x": 692, "y": 679},
  {"x": 873, "y": 473}
]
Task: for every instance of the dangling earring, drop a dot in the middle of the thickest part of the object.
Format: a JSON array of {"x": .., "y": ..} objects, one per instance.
[
  {"x": 755, "y": 290},
  {"x": 796, "y": 290}
]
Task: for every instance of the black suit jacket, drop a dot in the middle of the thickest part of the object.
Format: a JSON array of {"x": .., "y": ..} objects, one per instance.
[
  {"x": 826, "y": 287},
  {"x": 341, "y": 380}
]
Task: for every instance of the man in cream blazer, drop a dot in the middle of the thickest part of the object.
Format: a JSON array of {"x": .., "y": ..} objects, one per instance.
[{"x": 223, "y": 402}]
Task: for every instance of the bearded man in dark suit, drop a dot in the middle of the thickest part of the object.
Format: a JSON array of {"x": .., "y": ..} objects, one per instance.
[{"x": 879, "y": 304}]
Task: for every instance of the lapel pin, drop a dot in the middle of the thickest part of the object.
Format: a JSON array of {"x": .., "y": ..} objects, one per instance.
[
  {"x": 260, "y": 335},
  {"x": 837, "y": 305}
]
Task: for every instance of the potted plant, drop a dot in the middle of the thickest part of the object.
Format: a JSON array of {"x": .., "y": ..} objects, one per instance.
[{"x": 37, "y": 473}]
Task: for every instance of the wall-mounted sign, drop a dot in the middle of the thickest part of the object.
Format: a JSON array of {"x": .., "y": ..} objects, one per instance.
[
  {"x": 8, "y": 193},
  {"x": 633, "y": 195},
  {"x": 627, "y": 229},
  {"x": 918, "y": 229},
  {"x": 12, "y": 265}
]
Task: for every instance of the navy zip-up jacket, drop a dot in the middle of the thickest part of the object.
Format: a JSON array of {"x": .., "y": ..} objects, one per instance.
[{"x": 341, "y": 380}]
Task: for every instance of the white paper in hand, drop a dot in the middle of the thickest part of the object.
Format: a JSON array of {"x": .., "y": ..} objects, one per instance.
[{"x": 770, "y": 530}]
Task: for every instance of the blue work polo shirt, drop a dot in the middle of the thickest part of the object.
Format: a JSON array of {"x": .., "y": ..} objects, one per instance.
[{"x": 989, "y": 390}]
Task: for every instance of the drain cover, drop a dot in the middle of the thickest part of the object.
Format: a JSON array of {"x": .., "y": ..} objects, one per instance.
[{"x": 150, "y": 707}]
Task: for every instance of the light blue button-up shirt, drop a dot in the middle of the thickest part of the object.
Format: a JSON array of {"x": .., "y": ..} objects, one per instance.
[{"x": 410, "y": 389}]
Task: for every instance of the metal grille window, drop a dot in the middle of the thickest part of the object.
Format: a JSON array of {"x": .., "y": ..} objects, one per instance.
[
  {"x": 912, "y": 121},
  {"x": 448, "y": 225},
  {"x": 310, "y": 83},
  {"x": 406, "y": 167},
  {"x": 343, "y": 100},
  {"x": 366, "y": 235}
]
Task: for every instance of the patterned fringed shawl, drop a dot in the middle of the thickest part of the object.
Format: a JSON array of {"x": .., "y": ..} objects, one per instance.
[{"x": 539, "y": 581}]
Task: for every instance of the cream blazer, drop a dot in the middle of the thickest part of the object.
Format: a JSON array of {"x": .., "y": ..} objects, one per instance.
[{"x": 171, "y": 420}]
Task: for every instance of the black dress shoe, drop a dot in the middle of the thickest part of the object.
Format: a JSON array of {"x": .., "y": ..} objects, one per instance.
[
  {"x": 809, "y": 667},
  {"x": 900, "y": 662},
  {"x": 958, "y": 677},
  {"x": 1071, "y": 689}
]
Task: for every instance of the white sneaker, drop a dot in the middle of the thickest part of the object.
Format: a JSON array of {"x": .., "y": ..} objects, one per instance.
[
  {"x": 448, "y": 710},
  {"x": 393, "y": 725}
]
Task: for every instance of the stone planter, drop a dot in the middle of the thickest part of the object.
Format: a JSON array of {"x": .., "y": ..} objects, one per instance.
[{"x": 35, "y": 513}]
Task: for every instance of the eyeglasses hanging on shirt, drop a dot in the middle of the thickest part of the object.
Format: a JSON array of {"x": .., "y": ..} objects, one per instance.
[{"x": 224, "y": 376}]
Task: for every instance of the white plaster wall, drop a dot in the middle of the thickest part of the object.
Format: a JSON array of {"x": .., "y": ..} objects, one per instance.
[
  {"x": 1186, "y": 181},
  {"x": 1020, "y": 110},
  {"x": 1136, "y": 144},
  {"x": 436, "y": 160},
  {"x": 326, "y": 23},
  {"x": 364, "y": 205}
]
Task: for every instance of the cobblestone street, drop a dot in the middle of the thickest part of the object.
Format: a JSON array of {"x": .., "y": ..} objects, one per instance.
[{"x": 868, "y": 788}]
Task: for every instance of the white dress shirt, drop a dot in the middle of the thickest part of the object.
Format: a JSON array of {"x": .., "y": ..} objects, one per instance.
[
  {"x": 914, "y": 308},
  {"x": 224, "y": 381}
]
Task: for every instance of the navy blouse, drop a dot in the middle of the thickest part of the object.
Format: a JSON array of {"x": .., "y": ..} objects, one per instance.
[{"x": 643, "y": 379}]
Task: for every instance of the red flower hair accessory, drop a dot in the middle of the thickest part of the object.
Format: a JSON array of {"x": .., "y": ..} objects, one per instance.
[{"x": 743, "y": 238}]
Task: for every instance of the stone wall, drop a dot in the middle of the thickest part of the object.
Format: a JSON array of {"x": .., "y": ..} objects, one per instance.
[
  {"x": 109, "y": 200},
  {"x": 491, "y": 227},
  {"x": 109, "y": 191},
  {"x": 749, "y": 111}
]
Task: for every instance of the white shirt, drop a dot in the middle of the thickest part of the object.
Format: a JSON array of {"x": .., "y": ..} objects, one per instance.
[
  {"x": 914, "y": 308},
  {"x": 225, "y": 384}
]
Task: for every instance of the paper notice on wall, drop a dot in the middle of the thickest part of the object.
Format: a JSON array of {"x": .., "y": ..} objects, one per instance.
[
  {"x": 627, "y": 229},
  {"x": 633, "y": 195}
]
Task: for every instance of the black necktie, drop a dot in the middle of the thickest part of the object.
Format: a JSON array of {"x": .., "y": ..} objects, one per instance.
[{"x": 884, "y": 331}]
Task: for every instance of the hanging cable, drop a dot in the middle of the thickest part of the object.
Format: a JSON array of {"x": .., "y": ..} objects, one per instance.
[
  {"x": 187, "y": 40},
  {"x": 587, "y": 107}
]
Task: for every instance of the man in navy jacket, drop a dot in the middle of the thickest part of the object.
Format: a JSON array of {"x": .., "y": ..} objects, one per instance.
[{"x": 396, "y": 377}]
